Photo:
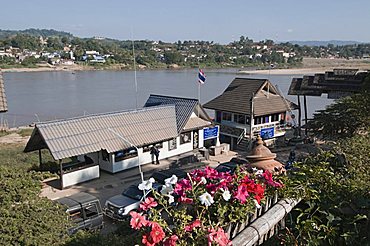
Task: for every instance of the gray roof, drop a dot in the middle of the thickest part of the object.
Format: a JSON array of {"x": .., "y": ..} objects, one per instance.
[
  {"x": 3, "y": 103},
  {"x": 184, "y": 108},
  {"x": 337, "y": 82},
  {"x": 237, "y": 98},
  {"x": 78, "y": 136}
]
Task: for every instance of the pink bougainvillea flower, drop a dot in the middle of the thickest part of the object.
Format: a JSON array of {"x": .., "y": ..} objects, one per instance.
[
  {"x": 221, "y": 238},
  {"x": 171, "y": 241},
  {"x": 211, "y": 173},
  {"x": 218, "y": 237},
  {"x": 182, "y": 186},
  {"x": 185, "y": 200},
  {"x": 259, "y": 192},
  {"x": 212, "y": 188},
  {"x": 268, "y": 179},
  {"x": 137, "y": 220},
  {"x": 242, "y": 193},
  {"x": 148, "y": 203},
  {"x": 194, "y": 224},
  {"x": 157, "y": 234},
  {"x": 147, "y": 240}
]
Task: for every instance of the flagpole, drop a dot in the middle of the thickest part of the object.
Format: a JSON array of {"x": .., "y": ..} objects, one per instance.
[{"x": 198, "y": 95}]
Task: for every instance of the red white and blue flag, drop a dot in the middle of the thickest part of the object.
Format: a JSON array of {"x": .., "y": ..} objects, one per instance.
[{"x": 201, "y": 76}]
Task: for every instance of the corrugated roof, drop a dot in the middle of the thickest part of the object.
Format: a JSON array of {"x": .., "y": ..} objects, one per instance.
[
  {"x": 237, "y": 98},
  {"x": 195, "y": 123},
  {"x": 3, "y": 103},
  {"x": 78, "y": 136},
  {"x": 184, "y": 107}
]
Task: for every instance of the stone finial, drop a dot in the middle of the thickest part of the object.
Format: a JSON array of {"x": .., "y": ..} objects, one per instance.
[{"x": 262, "y": 158}]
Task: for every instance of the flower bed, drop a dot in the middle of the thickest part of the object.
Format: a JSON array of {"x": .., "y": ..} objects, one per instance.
[{"x": 207, "y": 207}]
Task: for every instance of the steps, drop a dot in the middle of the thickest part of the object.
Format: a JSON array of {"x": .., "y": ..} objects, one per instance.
[{"x": 243, "y": 145}]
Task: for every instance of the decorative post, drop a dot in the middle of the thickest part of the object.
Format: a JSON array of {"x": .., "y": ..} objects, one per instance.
[{"x": 61, "y": 174}]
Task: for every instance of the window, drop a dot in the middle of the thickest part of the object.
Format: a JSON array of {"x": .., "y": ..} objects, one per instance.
[
  {"x": 91, "y": 210},
  {"x": 218, "y": 116},
  {"x": 266, "y": 119},
  {"x": 172, "y": 144},
  {"x": 185, "y": 137},
  {"x": 258, "y": 120},
  {"x": 274, "y": 117},
  {"x": 239, "y": 118},
  {"x": 125, "y": 154},
  {"x": 282, "y": 118},
  {"x": 226, "y": 116},
  {"x": 146, "y": 148},
  {"x": 76, "y": 215}
]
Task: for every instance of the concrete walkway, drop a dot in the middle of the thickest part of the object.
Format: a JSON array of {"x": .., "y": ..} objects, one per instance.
[{"x": 109, "y": 185}]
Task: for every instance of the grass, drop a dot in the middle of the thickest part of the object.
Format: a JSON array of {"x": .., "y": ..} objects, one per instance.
[
  {"x": 25, "y": 132},
  {"x": 12, "y": 155},
  {"x": 4, "y": 133}
]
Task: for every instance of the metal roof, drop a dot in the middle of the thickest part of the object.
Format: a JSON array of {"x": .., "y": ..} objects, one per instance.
[
  {"x": 184, "y": 107},
  {"x": 87, "y": 134},
  {"x": 195, "y": 123},
  {"x": 3, "y": 103},
  {"x": 341, "y": 82},
  {"x": 237, "y": 98}
]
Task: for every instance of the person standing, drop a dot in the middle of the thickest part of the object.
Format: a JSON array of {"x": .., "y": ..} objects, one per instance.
[
  {"x": 152, "y": 153},
  {"x": 156, "y": 153}
]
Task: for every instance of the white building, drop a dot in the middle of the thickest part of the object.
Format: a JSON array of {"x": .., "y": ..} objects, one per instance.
[{"x": 117, "y": 141}]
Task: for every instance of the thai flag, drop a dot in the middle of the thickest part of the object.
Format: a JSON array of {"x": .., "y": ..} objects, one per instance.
[{"x": 201, "y": 76}]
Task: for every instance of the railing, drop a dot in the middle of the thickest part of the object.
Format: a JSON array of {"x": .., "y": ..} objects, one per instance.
[
  {"x": 241, "y": 136},
  {"x": 263, "y": 224}
]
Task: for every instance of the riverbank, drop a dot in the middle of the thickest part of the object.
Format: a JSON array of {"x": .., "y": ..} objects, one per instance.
[
  {"x": 308, "y": 66},
  {"x": 314, "y": 65}
]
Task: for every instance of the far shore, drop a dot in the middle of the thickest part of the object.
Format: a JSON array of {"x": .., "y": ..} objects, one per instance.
[{"x": 309, "y": 66}]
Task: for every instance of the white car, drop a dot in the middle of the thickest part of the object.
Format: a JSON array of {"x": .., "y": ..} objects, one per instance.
[{"x": 119, "y": 207}]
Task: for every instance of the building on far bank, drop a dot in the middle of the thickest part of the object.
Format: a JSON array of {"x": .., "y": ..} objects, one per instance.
[
  {"x": 117, "y": 141},
  {"x": 247, "y": 108}
]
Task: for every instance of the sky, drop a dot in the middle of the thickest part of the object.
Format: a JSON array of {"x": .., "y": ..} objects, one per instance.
[{"x": 218, "y": 21}]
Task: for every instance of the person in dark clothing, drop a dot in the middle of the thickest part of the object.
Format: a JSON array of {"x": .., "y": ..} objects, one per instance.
[
  {"x": 152, "y": 153},
  {"x": 88, "y": 160},
  {"x": 156, "y": 153}
]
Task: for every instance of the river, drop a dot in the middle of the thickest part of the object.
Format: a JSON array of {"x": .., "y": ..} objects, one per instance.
[{"x": 42, "y": 96}]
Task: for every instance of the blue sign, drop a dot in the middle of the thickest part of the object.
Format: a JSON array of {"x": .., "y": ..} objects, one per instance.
[
  {"x": 209, "y": 133},
  {"x": 267, "y": 133}
]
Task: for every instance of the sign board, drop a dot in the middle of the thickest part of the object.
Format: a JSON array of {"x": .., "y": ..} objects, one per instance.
[
  {"x": 267, "y": 133},
  {"x": 211, "y": 132}
]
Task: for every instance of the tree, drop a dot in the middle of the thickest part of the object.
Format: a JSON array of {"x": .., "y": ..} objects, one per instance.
[
  {"x": 25, "y": 217},
  {"x": 344, "y": 118},
  {"x": 173, "y": 57}
]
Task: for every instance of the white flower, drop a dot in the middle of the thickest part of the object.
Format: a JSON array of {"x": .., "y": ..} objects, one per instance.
[
  {"x": 226, "y": 195},
  {"x": 259, "y": 172},
  {"x": 166, "y": 189},
  {"x": 172, "y": 180},
  {"x": 146, "y": 184},
  {"x": 254, "y": 169},
  {"x": 203, "y": 180},
  {"x": 256, "y": 203},
  {"x": 206, "y": 199},
  {"x": 171, "y": 199}
]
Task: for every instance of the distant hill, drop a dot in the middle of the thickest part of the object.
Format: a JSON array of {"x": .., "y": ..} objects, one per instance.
[
  {"x": 35, "y": 32},
  {"x": 324, "y": 43}
]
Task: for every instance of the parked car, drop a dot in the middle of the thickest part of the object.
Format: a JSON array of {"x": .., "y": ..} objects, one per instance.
[
  {"x": 84, "y": 210},
  {"x": 118, "y": 207},
  {"x": 160, "y": 176},
  {"x": 231, "y": 165}
]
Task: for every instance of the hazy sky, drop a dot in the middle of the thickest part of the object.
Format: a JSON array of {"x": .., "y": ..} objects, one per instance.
[{"x": 219, "y": 21}]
